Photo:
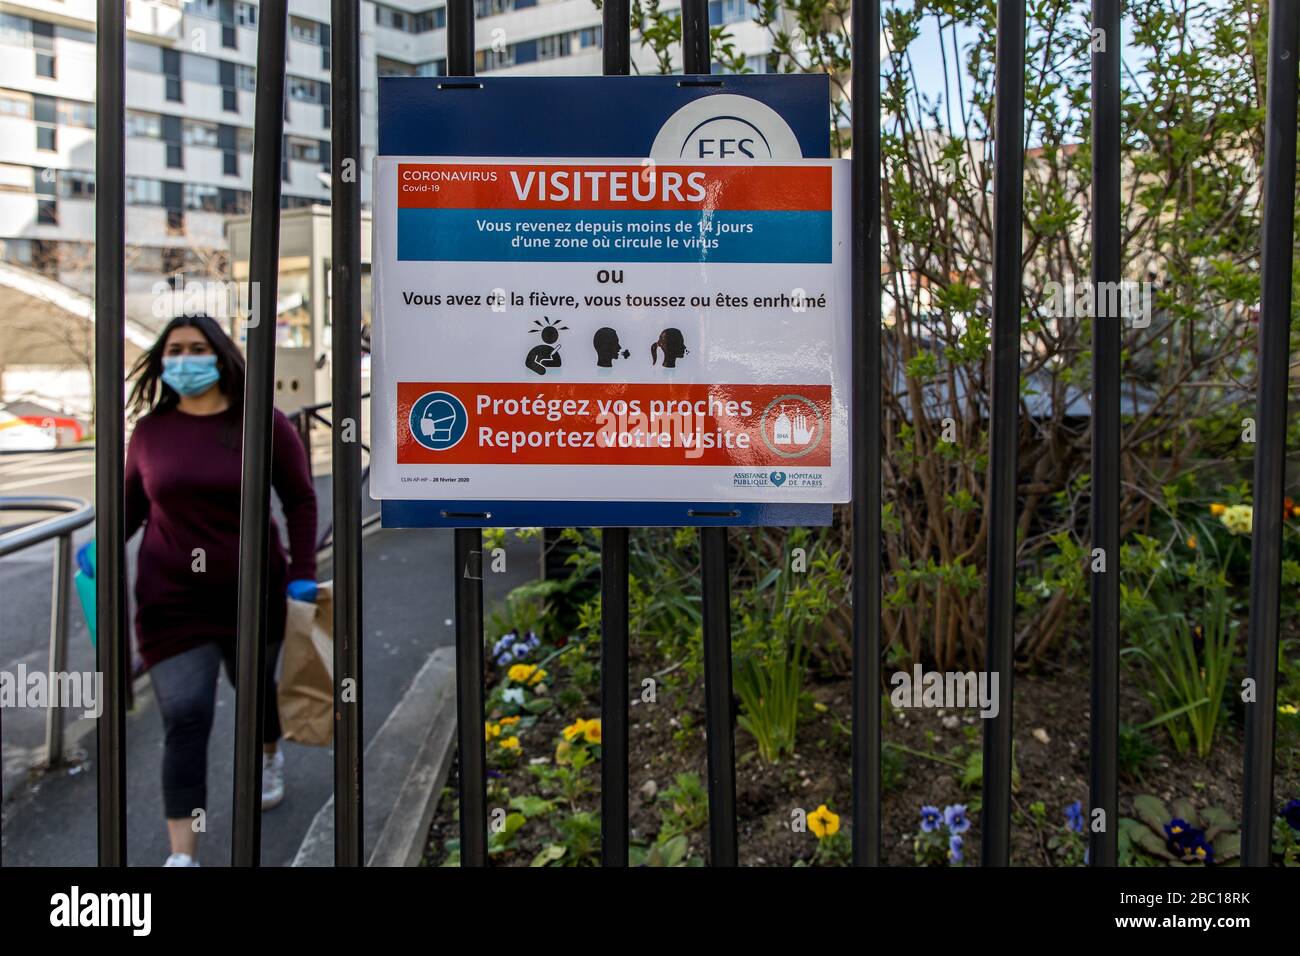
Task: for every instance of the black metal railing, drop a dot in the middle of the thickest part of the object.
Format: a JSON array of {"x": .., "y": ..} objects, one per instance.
[
  {"x": 69, "y": 515},
  {"x": 1279, "y": 186}
]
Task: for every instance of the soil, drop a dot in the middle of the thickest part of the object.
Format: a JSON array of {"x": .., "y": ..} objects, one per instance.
[{"x": 1051, "y": 748}]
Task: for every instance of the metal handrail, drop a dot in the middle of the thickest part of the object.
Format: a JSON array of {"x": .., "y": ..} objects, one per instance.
[{"x": 73, "y": 513}]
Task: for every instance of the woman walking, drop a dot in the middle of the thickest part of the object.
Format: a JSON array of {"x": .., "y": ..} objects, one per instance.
[{"x": 183, "y": 472}]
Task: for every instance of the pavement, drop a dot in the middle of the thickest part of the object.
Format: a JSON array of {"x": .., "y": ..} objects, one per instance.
[{"x": 49, "y": 816}]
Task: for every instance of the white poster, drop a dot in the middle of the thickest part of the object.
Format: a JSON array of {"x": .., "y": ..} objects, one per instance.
[{"x": 611, "y": 329}]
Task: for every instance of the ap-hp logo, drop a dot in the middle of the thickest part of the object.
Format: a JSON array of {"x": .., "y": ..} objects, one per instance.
[
  {"x": 438, "y": 420},
  {"x": 777, "y": 478}
]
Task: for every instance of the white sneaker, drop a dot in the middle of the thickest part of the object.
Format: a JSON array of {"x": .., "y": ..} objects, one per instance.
[
  {"x": 272, "y": 779},
  {"x": 181, "y": 859}
]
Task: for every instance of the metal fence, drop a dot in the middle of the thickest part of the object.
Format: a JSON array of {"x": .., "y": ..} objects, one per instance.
[{"x": 1276, "y": 255}]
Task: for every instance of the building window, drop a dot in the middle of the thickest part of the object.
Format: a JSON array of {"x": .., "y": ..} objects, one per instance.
[
  {"x": 143, "y": 192},
  {"x": 76, "y": 113},
  {"x": 591, "y": 36},
  {"x": 175, "y": 222},
  {"x": 77, "y": 184},
  {"x": 203, "y": 197},
  {"x": 246, "y": 14},
  {"x": 202, "y": 8},
  {"x": 304, "y": 90},
  {"x": 45, "y": 65},
  {"x": 47, "y": 138},
  {"x": 47, "y": 212},
  {"x": 305, "y": 30},
  {"x": 200, "y": 134},
  {"x": 304, "y": 150},
  {"x": 15, "y": 104},
  {"x": 494, "y": 59},
  {"x": 488, "y": 8},
  {"x": 144, "y": 125},
  {"x": 552, "y": 47},
  {"x": 246, "y": 78}
]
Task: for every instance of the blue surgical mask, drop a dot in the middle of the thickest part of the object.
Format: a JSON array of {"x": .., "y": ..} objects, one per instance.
[{"x": 190, "y": 374}]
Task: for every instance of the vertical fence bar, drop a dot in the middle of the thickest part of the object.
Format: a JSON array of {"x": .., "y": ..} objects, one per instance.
[
  {"x": 714, "y": 574},
  {"x": 1271, "y": 422},
  {"x": 345, "y": 229},
  {"x": 613, "y": 695},
  {"x": 259, "y": 409},
  {"x": 469, "y": 696},
  {"x": 59, "y": 594},
  {"x": 865, "y": 102},
  {"x": 1106, "y": 343},
  {"x": 616, "y": 58},
  {"x": 717, "y": 697},
  {"x": 110, "y": 413},
  {"x": 1008, "y": 175},
  {"x": 469, "y": 580}
]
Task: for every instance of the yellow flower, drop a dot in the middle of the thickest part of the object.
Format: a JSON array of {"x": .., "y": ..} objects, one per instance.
[
  {"x": 491, "y": 730},
  {"x": 509, "y": 743},
  {"x": 591, "y": 732},
  {"x": 519, "y": 673},
  {"x": 1191, "y": 542},
  {"x": 538, "y": 676},
  {"x": 820, "y": 707},
  {"x": 575, "y": 729},
  {"x": 1238, "y": 519},
  {"x": 823, "y": 822},
  {"x": 1289, "y": 709},
  {"x": 508, "y": 721},
  {"x": 1217, "y": 509}
]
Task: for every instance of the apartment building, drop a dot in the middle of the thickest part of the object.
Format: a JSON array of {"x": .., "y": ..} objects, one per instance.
[{"x": 191, "y": 70}]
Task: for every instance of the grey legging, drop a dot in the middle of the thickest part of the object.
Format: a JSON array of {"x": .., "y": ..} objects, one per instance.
[{"x": 185, "y": 686}]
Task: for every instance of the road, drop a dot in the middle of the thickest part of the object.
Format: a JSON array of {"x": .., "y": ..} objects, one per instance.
[{"x": 49, "y": 818}]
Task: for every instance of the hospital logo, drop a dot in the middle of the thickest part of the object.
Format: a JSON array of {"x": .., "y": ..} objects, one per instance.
[
  {"x": 726, "y": 126},
  {"x": 438, "y": 420},
  {"x": 791, "y": 427}
]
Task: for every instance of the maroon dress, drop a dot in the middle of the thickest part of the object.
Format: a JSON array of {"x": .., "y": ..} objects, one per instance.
[{"x": 183, "y": 474}]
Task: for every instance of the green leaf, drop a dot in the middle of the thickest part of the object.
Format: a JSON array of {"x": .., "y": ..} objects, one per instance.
[
  {"x": 532, "y": 806},
  {"x": 1151, "y": 811},
  {"x": 1227, "y": 847},
  {"x": 550, "y": 854}
]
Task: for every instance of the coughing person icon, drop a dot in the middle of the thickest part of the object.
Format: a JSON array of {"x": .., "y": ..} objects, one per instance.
[
  {"x": 673, "y": 345},
  {"x": 607, "y": 347}
]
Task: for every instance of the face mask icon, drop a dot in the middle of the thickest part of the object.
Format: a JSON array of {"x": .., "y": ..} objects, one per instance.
[{"x": 437, "y": 421}]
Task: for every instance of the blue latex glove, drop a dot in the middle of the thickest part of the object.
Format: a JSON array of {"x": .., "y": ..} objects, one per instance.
[
  {"x": 86, "y": 559},
  {"x": 304, "y": 589}
]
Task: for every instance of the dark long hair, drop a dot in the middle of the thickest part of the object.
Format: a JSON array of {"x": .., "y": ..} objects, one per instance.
[{"x": 151, "y": 394}]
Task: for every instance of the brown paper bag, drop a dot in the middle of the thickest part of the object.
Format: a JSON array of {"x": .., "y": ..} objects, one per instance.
[{"x": 306, "y": 695}]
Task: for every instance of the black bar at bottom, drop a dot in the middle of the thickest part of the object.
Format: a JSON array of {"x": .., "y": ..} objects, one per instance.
[
  {"x": 613, "y": 697},
  {"x": 717, "y": 697},
  {"x": 469, "y": 696}
]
